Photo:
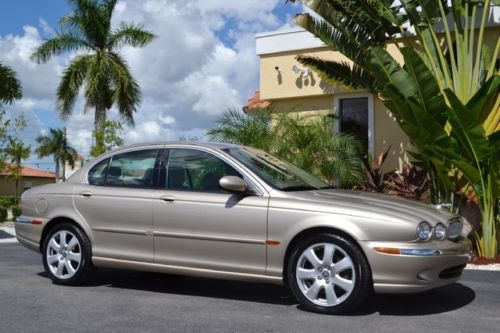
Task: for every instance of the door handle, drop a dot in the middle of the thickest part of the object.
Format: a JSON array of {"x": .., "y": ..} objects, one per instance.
[
  {"x": 167, "y": 198},
  {"x": 86, "y": 194}
]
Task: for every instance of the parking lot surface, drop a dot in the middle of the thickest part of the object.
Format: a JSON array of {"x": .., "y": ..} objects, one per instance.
[{"x": 126, "y": 301}]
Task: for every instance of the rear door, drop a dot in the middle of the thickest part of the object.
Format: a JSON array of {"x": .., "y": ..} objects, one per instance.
[{"x": 117, "y": 205}]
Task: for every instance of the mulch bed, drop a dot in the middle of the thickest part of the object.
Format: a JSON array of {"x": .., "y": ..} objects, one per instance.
[{"x": 484, "y": 261}]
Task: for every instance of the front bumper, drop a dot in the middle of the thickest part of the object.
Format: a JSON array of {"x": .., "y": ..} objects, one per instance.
[{"x": 422, "y": 266}]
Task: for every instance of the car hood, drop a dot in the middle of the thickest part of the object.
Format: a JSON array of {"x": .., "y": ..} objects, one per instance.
[{"x": 358, "y": 203}]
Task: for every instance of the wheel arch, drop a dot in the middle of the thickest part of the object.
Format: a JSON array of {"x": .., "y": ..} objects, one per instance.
[
  {"x": 314, "y": 231},
  {"x": 62, "y": 219}
]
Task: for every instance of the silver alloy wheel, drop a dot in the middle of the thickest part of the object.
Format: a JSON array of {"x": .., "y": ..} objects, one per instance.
[
  {"x": 325, "y": 274},
  {"x": 63, "y": 254}
]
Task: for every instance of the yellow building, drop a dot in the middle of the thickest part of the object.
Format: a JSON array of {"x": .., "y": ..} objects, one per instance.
[
  {"x": 68, "y": 170},
  {"x": 290, "y": 87},
  {"x": 30, "y": 177}
]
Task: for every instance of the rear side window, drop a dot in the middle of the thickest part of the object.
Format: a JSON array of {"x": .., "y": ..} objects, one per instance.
[
  {"x": 132, "y": 169},
  {"x": 97, "y": 174}
]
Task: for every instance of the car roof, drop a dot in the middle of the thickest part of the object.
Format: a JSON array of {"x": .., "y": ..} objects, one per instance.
[{"x": 213, "y": 145}]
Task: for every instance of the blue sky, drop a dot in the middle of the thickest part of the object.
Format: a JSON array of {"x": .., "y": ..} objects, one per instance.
[{"x": 189, "y": 75}]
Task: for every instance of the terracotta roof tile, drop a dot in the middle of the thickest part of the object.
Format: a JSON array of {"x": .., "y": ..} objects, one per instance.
[
  {"x": 255, "y": 102},
  {"x": 29, "y": 172}
]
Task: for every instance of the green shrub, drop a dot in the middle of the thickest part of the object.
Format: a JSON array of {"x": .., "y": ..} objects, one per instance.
[
  {"x": 3, "y": 213},
  {"x": 16, "y": 211},
  {"x": 7, "y": 200}
]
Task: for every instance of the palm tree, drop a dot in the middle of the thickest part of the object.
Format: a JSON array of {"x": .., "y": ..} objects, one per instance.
[
  {"x": 55, "y": 143},
  {"x": 312, "y": 145},
  {"x": 17, "y": 151},
  {"x": 445, "y": 97},
  {"x": 309, "y": 144},
  {"x": 99, "y": 68},
  {"x": 237, "y": 127},
  {"x": 10, "y": 87}
]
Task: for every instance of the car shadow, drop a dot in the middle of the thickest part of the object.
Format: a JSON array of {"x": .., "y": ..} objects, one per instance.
[{"x": 440, "y": 300}]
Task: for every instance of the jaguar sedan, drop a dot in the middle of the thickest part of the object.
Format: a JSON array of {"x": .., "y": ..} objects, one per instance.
[{"x": 234, "y": 212}]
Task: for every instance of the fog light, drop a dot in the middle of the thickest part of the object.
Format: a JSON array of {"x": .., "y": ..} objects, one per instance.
[
  {"x": 440, "y": 231},
  {"x": 424, "y": 231}
]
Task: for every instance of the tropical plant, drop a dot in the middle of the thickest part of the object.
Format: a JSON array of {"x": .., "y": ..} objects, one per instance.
[
  {"x": 309, "y": 144},
  {"x": 10, "y": 87},
  {"x": 411, "y": 182},
  {"x": 446, "y": 95},
  {"x": 375, "y": 178},
  {"x": 55, "y": 144},
  {"x": 312, "y": 145},
  {"x": 3, "y": 213},
  {"x": 16, "y": 211},
  {"x": 98, "y": 67},
  {"x": 107, "y": 139},
  {"x": 17, "y": 151},
  {"x": 253, "y": 130}
]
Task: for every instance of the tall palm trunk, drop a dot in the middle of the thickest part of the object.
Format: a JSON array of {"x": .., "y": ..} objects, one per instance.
[
  {"x": 56, "y": 158},
  {"x": 63, "y": 162},
  {"x": 100, "y": 117}
]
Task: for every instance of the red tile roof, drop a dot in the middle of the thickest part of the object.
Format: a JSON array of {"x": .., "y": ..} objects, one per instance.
[
  {"x": 255, "y": 102},
  {"x": 28, "y": 172}
]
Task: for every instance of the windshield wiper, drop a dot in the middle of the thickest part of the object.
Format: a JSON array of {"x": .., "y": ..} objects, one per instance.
[{"x": 299, "y": 188}]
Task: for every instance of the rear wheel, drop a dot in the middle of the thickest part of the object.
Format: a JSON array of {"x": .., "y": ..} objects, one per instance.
[
  {"x": 329, "y": 274},
  {"x": 67, "y": 255}
]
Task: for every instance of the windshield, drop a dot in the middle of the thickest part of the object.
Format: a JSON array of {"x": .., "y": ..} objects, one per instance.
[{"x": 279, "y": 174}]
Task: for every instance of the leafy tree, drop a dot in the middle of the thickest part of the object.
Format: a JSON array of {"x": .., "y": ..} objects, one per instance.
[
  {"x": 17, "y": 151},
  {"x": 107, "y": 139},
  {"x": 445, "y": 96},
  {"x": 98, "y": 67},
  {"x": 309, "y": 144},
  {"x": 10, "y": 87},
  {"x": 55, "y": 143},
  {"x": 8, "y": 128}
]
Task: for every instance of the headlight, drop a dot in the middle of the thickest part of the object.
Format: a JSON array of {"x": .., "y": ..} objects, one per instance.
[
  {"x": 440, "y": 231},
  {"x": 424, "y": 231}
]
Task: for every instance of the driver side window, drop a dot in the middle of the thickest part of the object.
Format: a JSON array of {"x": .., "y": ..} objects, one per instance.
[{"x": 195, "y": 170}]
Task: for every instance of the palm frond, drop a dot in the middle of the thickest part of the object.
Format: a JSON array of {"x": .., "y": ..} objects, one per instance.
[
  {"x": 340, "y": 73},
  {"x": 332, "y": 37},
  {"x": 72, "y": 80},
  {"x": 61, "y": 43},
  {"x": 129, "y": 34},
  {"x": 91, "y": 19},
  {"x": 127, "y": 93},
  {"x": 10, "y": 87},
  {"x": 250, "y": 130}
]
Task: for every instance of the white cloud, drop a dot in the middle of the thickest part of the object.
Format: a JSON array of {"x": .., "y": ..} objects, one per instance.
[{"x": 202, "y": 62}]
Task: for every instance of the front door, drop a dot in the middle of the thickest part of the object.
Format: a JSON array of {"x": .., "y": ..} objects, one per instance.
[
  {"x": 117, "y": 205},
  {"x": 354, "y": 114},
  {"x": 197, "y": 224}
]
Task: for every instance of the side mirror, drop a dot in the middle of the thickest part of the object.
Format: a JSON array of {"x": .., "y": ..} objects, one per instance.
[{"x": 233, "y": 184}]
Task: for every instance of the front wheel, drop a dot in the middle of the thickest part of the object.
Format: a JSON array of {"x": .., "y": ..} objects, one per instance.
[
  {"x": 329, "y": 274},
  {"x": 67, "y": 255}
]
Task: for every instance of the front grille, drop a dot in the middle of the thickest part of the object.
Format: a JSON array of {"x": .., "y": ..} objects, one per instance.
[
  {"x": 454, "y": 228},
  {"x": 452, "y": 272}
]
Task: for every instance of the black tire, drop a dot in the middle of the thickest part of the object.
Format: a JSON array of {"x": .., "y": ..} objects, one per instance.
[
  {"x": 83, "y": 270},
  {"x": 359, "y": 272}
]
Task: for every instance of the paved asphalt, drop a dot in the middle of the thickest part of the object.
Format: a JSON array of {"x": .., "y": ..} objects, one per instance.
[{"x": 123, "y": 301}]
